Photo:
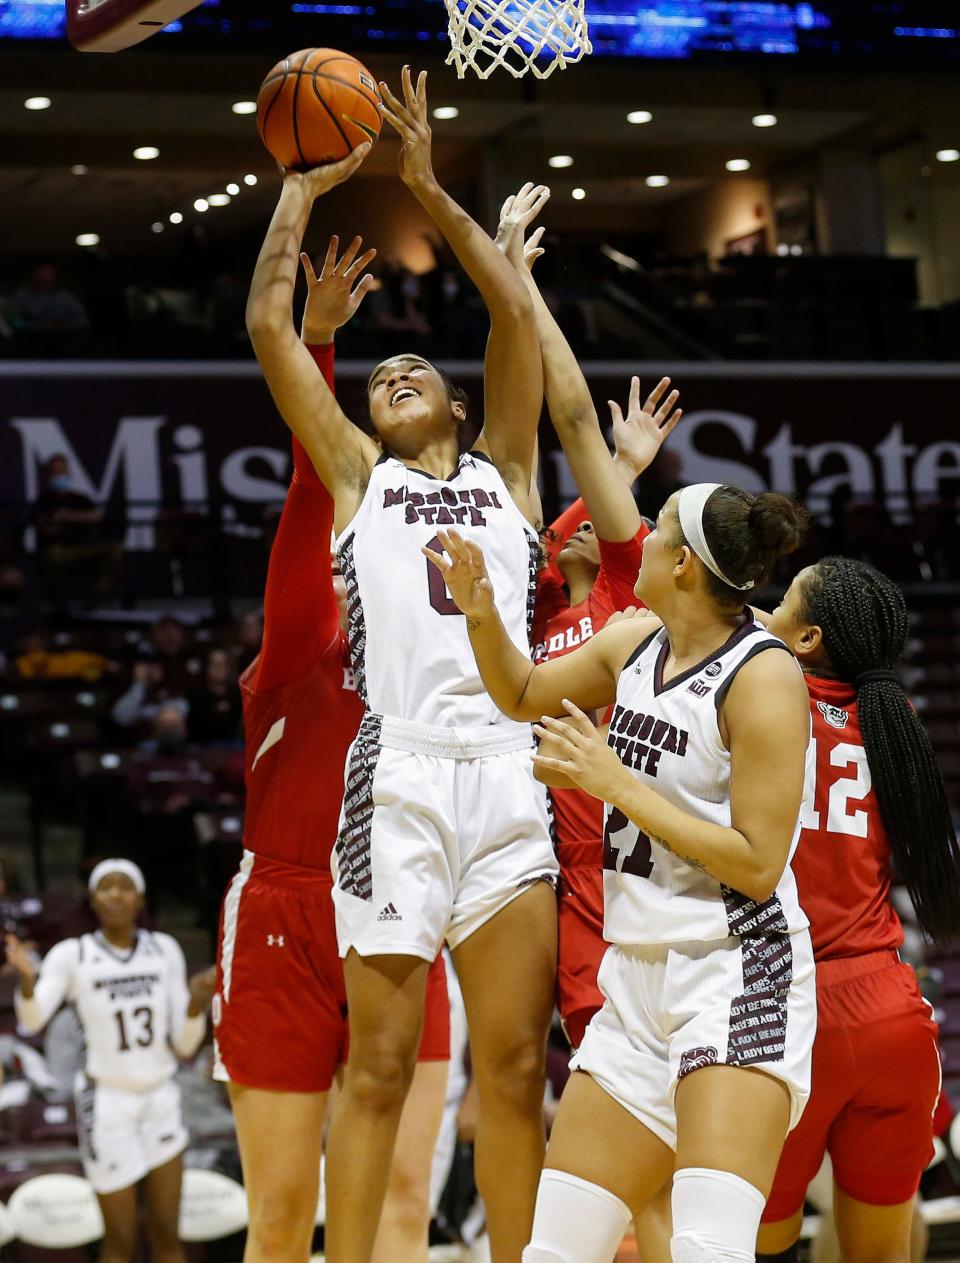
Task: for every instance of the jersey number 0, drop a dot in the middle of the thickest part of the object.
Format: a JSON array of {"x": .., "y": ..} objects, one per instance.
[{"x": 440, "y": 598}]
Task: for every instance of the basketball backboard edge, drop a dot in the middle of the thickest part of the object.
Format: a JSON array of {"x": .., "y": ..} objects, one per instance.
[{"x": 107, "y": 26}]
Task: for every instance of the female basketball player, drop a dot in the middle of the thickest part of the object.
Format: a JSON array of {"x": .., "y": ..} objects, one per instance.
[
  {"x": 138, "y": 1014},
  {"x": 444, "y": 832},
  {"x": 879, "y": 801},
  {"x": 280, "y": 971},
  {"x": 709, "y": 979}
]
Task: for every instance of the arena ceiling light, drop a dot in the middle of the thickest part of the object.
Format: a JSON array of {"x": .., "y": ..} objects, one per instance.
[
  {"x": 201, "y": 205},
  {"x": 156, "y": 226},
  {"x": 948, "y": 155},
  {"x": 145, "y": 153},
  {"x": 657, "y": 181},
  {"x": 175, "y": 217},
  {"x": 88, "y": 239},
  {"x": 244, "y": 107},
  {"x": 560, "y": 160},
  {"x": 738, "y": 164},
  {"x": 78, "y": 168},
  {"x": 219, "y": 199},
  {"x": 765, "y": 120},
  {"x": 37, "y": 103},
  {"x": 250, "y": 179},
  {"x": 445, "y": 111},
  {"x": 233, "y": 189},
  {"x": 578, "y": 194},
  {"x": 639, "y": 116}
]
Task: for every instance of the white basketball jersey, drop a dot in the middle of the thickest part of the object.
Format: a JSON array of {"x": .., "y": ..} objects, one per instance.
[
  {"x": 668, "y": 735},
  {"x": 408, "y": 641},
  {"x": 131, "y": 1005}
]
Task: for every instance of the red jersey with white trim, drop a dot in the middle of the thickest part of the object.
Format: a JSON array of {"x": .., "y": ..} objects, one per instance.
[
  {"x": 842, "y": 863},
  {"x": 300, "y": 705},
  {"x": 560, "y": 627}
]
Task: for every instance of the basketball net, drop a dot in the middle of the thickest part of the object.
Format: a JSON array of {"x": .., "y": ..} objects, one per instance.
[{"x": 519, "y": 35}]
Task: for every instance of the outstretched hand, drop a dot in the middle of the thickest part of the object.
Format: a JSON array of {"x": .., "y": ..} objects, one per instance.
[
  {"x": 320, "y": 180},
  {"x": 581, "y": 753},
  {"x": 516, "y": 214},
  {"x": 409, "y": 119},
  {"x": 334, "y": 296},
  {"x": 464, "y": 571},
  {"x": 638, "y": 436}
]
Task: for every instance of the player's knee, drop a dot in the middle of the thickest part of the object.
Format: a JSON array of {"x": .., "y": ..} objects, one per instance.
[
  {"x": 513, "y": 1072},
  {"x": 407, "y": 1205},
  {"x": 379, "y": 1079},
  {"x": 281, "y": 1224}
]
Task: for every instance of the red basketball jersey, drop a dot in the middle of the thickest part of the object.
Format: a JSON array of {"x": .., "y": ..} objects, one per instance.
[
  {"x": 842, "y": 862},
  {"x": 300, "y": 705},
  {"x": 560, "y": 628}
]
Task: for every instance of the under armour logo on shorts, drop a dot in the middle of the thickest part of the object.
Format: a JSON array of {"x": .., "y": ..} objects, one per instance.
[{"x": 274, "y": 940}]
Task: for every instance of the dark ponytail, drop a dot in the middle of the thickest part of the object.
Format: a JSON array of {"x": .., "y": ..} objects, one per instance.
[
  {"x": 747, "y": 535},
  {"x": 863, "y": 618}
]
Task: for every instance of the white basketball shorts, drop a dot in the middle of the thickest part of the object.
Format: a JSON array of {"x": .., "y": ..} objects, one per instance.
[
  {"x": 440, "y": 829},
  {"x": 123, "y": 1134},
  {"x": 672, "y": 1009}
]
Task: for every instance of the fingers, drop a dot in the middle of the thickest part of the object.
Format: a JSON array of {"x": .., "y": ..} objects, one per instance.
[
  {"x": 655, "y": 395},
  {"x": 307, "y": 264},
  {"x": 616, "y": 416},
  {"x": 538, "y": 199},
  {"x": 507, "y": 207},
  {"x": 454, "y": 545},
  {"x": 330, "y": 259},
  {"x": 361, "y": 290},
  {"x": 584, "y": 722},
  {"x": 358, "y": 265},
  {"x": 671, "y": 423},
  {"x": 663, "y": 412},
  {"x": 534, "y": 239},
  {"x": 554, "y": 765},
  {"x": 438, "y": 560},
  {"x": 349, "y": 255}
]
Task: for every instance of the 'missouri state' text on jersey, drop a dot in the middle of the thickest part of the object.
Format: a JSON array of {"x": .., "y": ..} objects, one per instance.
[
  {"x": 132, "y": 1006},
  {"x": 408, "y": 641},
  {"x": 668, "y": 734}
]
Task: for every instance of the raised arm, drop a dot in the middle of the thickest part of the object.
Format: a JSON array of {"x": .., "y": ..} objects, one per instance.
[
  {"x": 605, "y": 488},
  {"x": 520, "y": 689},
  {"x": 513, "y": 381},
  {"x": 300, "y": 615},
  {"x": 341, "y": 453}
]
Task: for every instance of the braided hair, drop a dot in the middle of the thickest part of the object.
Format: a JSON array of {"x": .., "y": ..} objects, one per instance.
[{"x": 863, "y": 618}]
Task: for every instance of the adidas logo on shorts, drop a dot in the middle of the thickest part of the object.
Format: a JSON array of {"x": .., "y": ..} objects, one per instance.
[{"x": 389, "y": 914}]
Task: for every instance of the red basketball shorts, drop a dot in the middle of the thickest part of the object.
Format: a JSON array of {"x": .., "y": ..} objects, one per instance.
[
  {"x": 875, "y": 1085},
  {"x": 280, "y": 1009},
  {"x": 581, "y": 944}
]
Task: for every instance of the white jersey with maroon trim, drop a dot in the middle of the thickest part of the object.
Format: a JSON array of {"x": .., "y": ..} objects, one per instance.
[
  {"x": 408, "y": 641},
  {"x": 132, "y": 1006},
  {"x": 668, "y": 735}
]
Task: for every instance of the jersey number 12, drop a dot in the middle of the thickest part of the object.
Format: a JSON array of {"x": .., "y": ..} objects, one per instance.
[{"x": 842, "y": 792}]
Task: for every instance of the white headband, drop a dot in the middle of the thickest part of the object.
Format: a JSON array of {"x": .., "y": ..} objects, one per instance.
[
  {"x": 127, "y": 867},
  {"x": 690, "y": 505}
]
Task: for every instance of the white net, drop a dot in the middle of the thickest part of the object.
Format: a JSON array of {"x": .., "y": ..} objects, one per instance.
[{"x": 519, "y": 35}]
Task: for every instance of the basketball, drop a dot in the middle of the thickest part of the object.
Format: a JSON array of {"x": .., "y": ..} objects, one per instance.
[{"x": 316, "y": 106}]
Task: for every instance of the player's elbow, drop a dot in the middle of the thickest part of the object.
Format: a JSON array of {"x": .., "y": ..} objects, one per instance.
[
  {"x": 266, "y": 321},
  {"x": 760, "y": 879}
]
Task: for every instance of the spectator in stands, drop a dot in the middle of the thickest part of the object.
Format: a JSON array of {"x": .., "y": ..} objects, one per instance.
[
  {"x": 147, "y": 695},
  {"x": 48, "y": 318},
  {"x": 18, "y": 610},
  {"x": 170, "y": 644},
  {"x": 168, "y": 729},
  {"x": 76, "y": 556},
  {"x": 214, "y": 717},
  {"x": 41, "y": 661}
]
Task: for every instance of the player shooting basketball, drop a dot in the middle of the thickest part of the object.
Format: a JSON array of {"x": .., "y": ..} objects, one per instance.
[{"x": 444, "y": 832}]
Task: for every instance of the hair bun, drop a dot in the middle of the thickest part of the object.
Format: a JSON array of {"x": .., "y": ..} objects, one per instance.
[{"x": 777, "y": 523}]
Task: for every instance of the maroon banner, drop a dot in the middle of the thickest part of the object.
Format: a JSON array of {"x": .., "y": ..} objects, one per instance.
[{"x": 140, "y": 434}]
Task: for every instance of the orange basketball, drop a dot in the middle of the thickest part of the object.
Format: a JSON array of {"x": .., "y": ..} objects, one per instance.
[{"x": 316, "y": 106}]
